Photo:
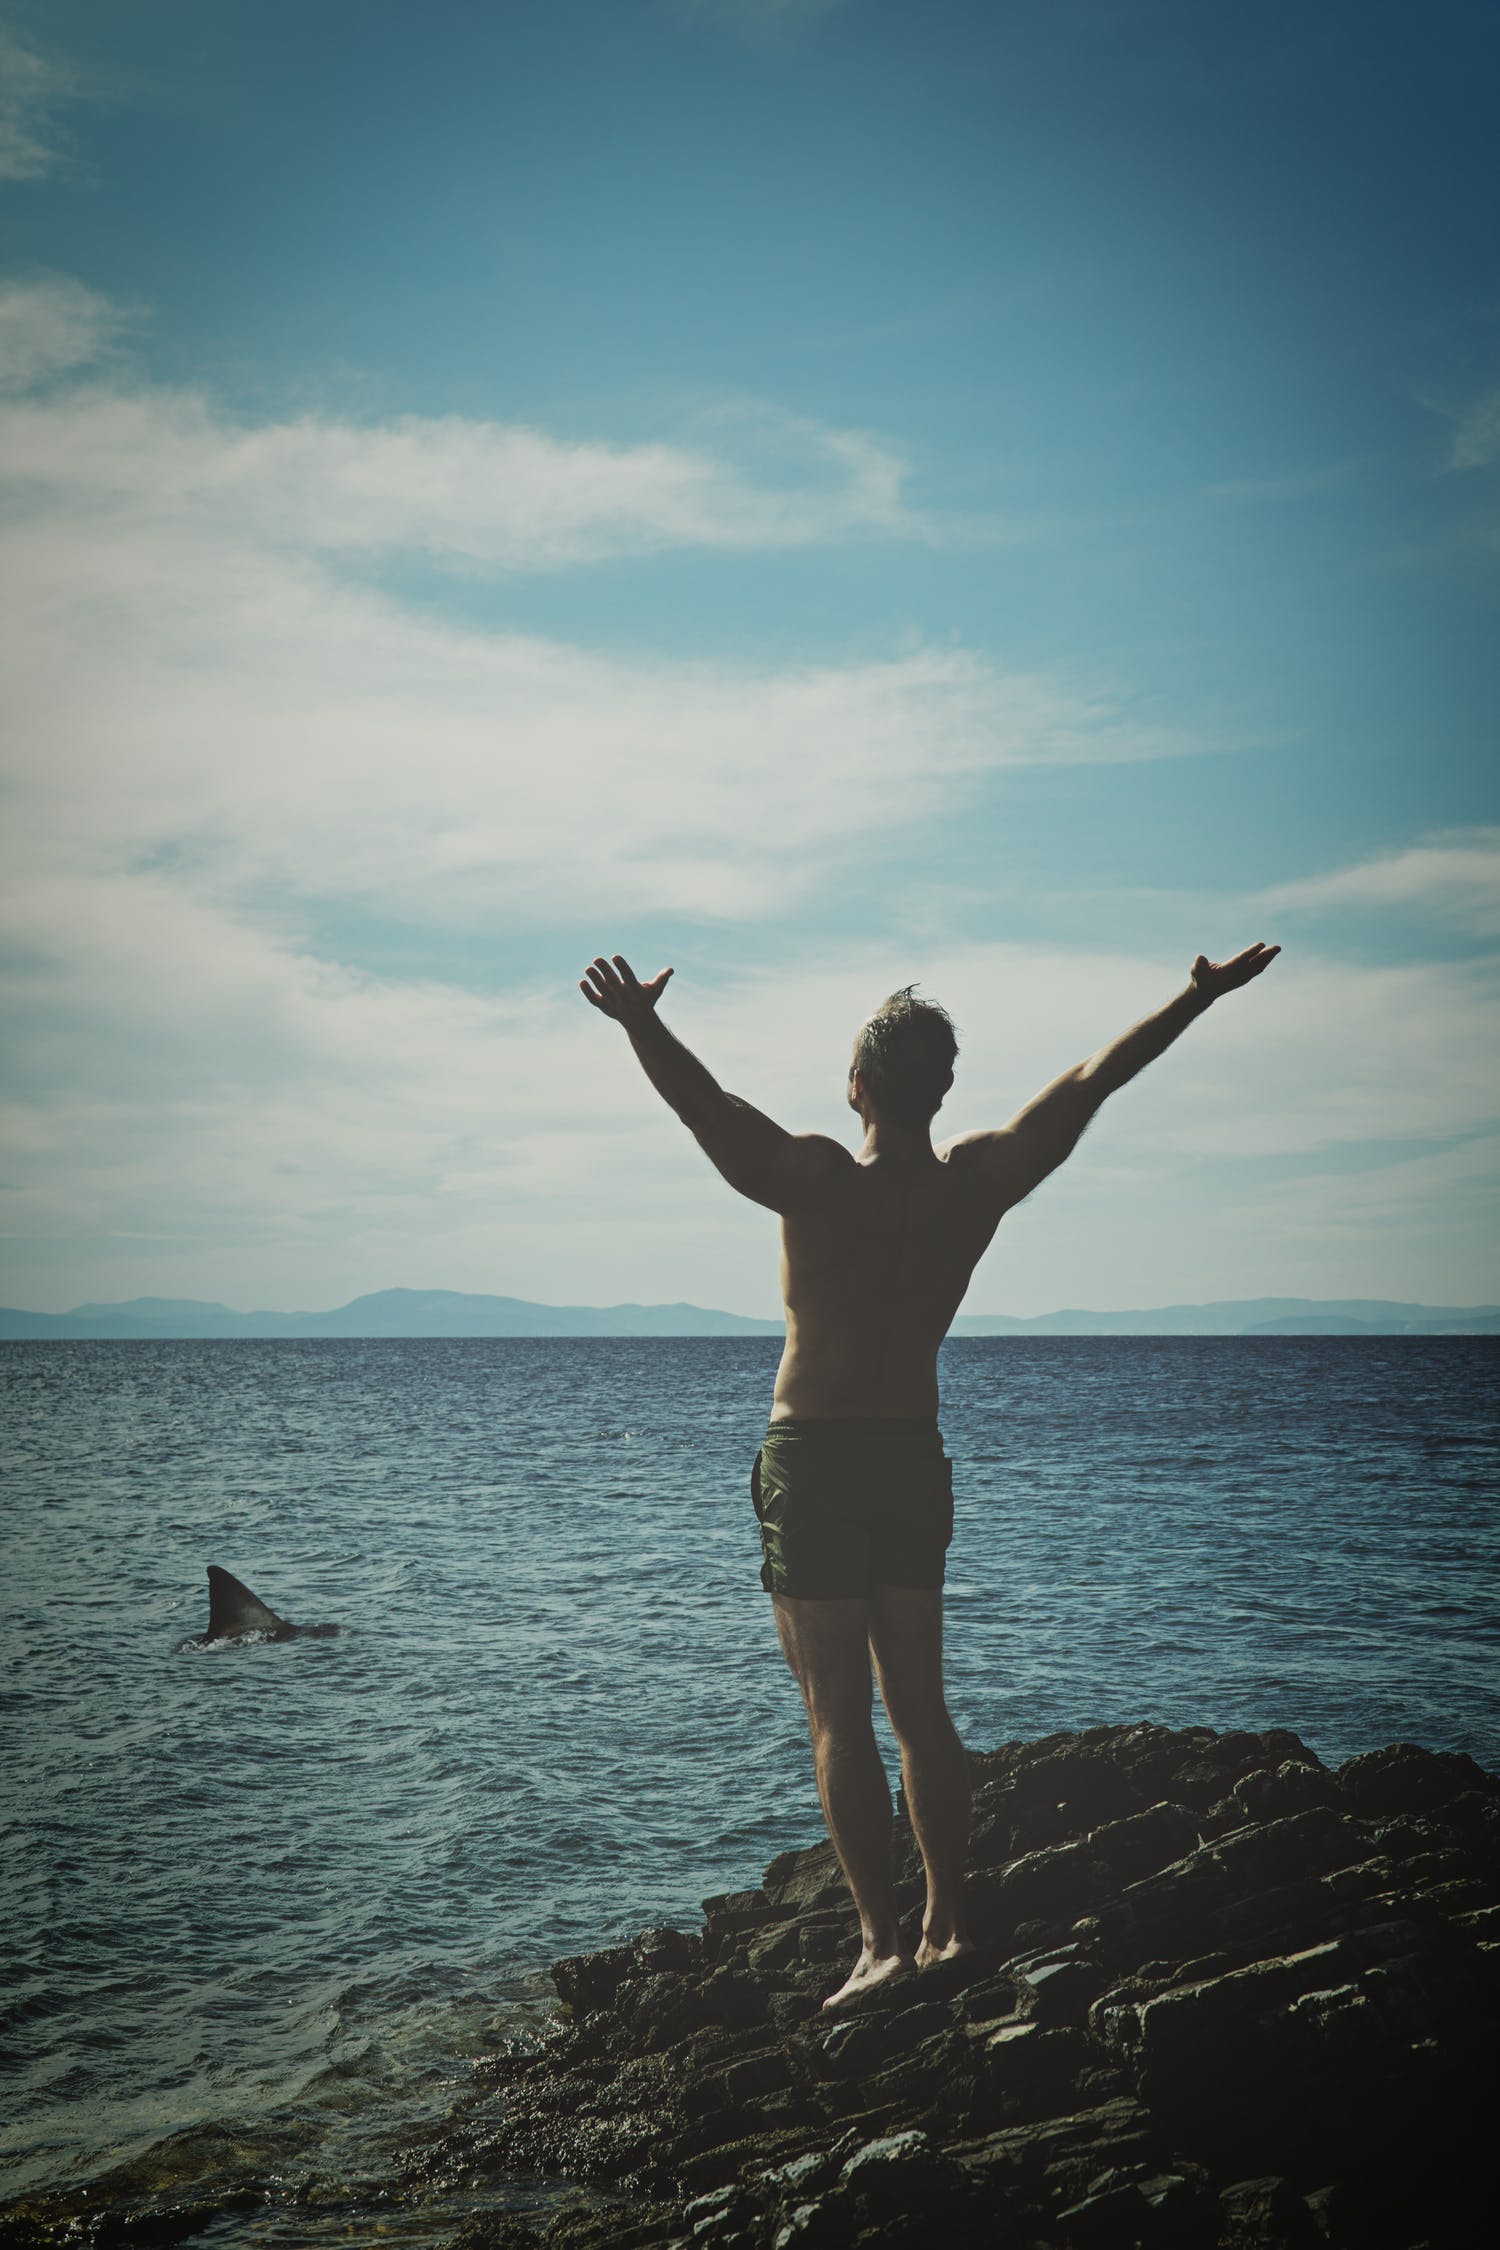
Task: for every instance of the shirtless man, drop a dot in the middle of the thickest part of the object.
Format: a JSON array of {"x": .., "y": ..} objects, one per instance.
[{"x": 851, "y": 1486}]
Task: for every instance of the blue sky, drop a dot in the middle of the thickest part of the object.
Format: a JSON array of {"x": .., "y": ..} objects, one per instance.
[{"x": 822, "y": 494}]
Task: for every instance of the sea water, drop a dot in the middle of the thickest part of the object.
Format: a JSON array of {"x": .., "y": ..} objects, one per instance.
[{"x": 264, "y": 1904}]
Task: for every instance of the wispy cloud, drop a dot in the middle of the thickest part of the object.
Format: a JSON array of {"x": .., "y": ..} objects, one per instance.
[
  {"x": 264, "y": 1119},
  {"x": 221, "y": 733},
  {"x": 1452, "y": 877},
  {"x": 51, "y": 325},
  {"x": 1476, "y": 437},
  {"x": 480, "y": 494},
  {"x": 34, "y": 86},
  {"x": 195, "y": 671}
]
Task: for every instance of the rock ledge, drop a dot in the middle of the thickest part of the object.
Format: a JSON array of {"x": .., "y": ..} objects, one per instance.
[{"x": 1224, "y": 1996}]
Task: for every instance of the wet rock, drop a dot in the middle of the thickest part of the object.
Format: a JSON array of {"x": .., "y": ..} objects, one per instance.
[
  {"x": 587, "y": 1981},
  {"x": 1404, "y": 1779},
  {"x": 666, "y": 1949},
  {"x": 494, "y": 2230},
  {"x": 1221, "y": 1997}
]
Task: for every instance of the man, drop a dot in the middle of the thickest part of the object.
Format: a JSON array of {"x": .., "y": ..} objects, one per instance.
[{"x": 851, "y": 1485}]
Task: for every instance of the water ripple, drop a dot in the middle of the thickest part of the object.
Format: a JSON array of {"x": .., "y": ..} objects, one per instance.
[{"x": 260, "y": 1901}]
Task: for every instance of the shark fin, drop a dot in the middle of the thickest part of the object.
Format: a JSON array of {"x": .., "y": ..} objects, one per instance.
[{"x": 234, "y": 1611}]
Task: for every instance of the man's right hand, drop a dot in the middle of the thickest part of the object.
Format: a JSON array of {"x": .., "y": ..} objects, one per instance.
[
  {"x": 1214, "y": 977},
  {"x": 611, "y": 987}
]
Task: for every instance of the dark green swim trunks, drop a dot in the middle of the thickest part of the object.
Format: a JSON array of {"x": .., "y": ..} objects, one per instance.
[{"x": 846, "y": 1506}]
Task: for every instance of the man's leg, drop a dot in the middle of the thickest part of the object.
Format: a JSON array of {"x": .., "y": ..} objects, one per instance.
[
  {"x": 827, "y": 1645},
  {"x": 906, "y": 1640}
]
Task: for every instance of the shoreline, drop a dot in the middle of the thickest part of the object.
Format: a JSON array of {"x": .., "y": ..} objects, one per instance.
[{"x": 1223, "y": 1995}]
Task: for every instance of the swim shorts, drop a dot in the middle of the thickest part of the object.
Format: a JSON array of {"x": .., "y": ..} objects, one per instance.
[{"x": 846, "y": 1506}]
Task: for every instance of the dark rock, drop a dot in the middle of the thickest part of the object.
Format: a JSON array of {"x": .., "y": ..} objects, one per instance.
[
  {"x": 1068, "y": 1790},
  {"x": 808, "y": 1879},
  {"x": 1328, "y": 2208},
  {"x": 666, "y": 1949},
  {"x": 883, "y": 2165},
  {"x": 864, "y": 2043},
  {"x": 1272, "y": 1793},
  {"x": 1474, "y": 1814},
  {"x": 1222, "y": 1998},
  {"x": 1268, "y": 2213},
  {"x": 802, "y": 2177},
  {"x": 769, "y": 1953},
  {"x": 1404, "y": 1779},
  {"x": 826, "y": 1937},
  {"x": 946, "y": 1980},
  {"x": 1143, "y": 1842},
  {"x": 1057, "y": 2160},
  {"x": 1183, "y": 2207},
  {"x": 1117, "y": 2218},
  {"x": 736, "y": 2002},
  {"x": 734, "y": 1908},
  {"x": 1044, "y": 1889},
  {"x": 1055, "y": 1987},
  {"x": 658, "y": 2011},
  {"x": 741, "y": 2156},
  {"x": 591, "y": 1980},
  {"x": 494, "y": 2230}
]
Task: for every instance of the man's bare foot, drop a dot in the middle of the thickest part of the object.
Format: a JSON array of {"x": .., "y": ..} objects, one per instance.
[
  {"x": 869, "y": 1971},
  {"x": 929, "y": 1955}
]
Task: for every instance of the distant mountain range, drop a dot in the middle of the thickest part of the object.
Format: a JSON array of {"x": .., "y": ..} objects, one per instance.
[{"x": 453, "y": 1312}]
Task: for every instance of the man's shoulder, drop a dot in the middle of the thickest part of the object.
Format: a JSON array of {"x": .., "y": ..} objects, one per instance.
[
  {"x": 985, "y": 1162},
  {"x": 821, "y": 1152},
  {"x": 814, "y": 1164},
  {"x": 967, "y": 1149}
]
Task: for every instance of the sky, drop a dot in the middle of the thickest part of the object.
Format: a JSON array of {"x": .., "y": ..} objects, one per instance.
[{"x": 818, "y": 493}]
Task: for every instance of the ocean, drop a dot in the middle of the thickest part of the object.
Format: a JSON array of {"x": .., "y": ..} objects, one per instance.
[{"x": 265, "y": 1904}]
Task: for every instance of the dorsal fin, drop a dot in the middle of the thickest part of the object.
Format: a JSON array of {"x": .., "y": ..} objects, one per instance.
[{"x": 234, "y": 1611}]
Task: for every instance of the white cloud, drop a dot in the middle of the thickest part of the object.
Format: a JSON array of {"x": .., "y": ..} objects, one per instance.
[
  {"x": 484, "y": 494},
  {"x": 198, "y": 696},
  {"x": 33, "y": 87},
  {"x": 50, "y": 325},
  {"x": 1453, "y": 877},
  {"x": 1476, "y": 439},
  {"x": 238, "y": 1117},
  {"x": 218, "y": 731},
  {"x": 192, "y": 671}
]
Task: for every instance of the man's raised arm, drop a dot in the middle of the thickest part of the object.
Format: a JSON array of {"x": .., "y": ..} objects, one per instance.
[
  {"x": 754, "y": 1155},
  {"x": 1049, "y": 1128}
]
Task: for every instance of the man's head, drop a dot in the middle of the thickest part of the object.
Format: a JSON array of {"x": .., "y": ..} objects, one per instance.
[{"x": 903, "y": 1060}]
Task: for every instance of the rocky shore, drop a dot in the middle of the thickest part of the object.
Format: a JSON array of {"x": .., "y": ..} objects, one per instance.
[{"x": 1224, "y": 1996}]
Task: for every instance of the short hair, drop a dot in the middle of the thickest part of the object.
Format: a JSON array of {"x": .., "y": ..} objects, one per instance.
[{"x": 905, "y": 1055}]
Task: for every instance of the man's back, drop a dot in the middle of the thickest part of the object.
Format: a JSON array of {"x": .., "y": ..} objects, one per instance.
[{"x": 874, "y": 1265}]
